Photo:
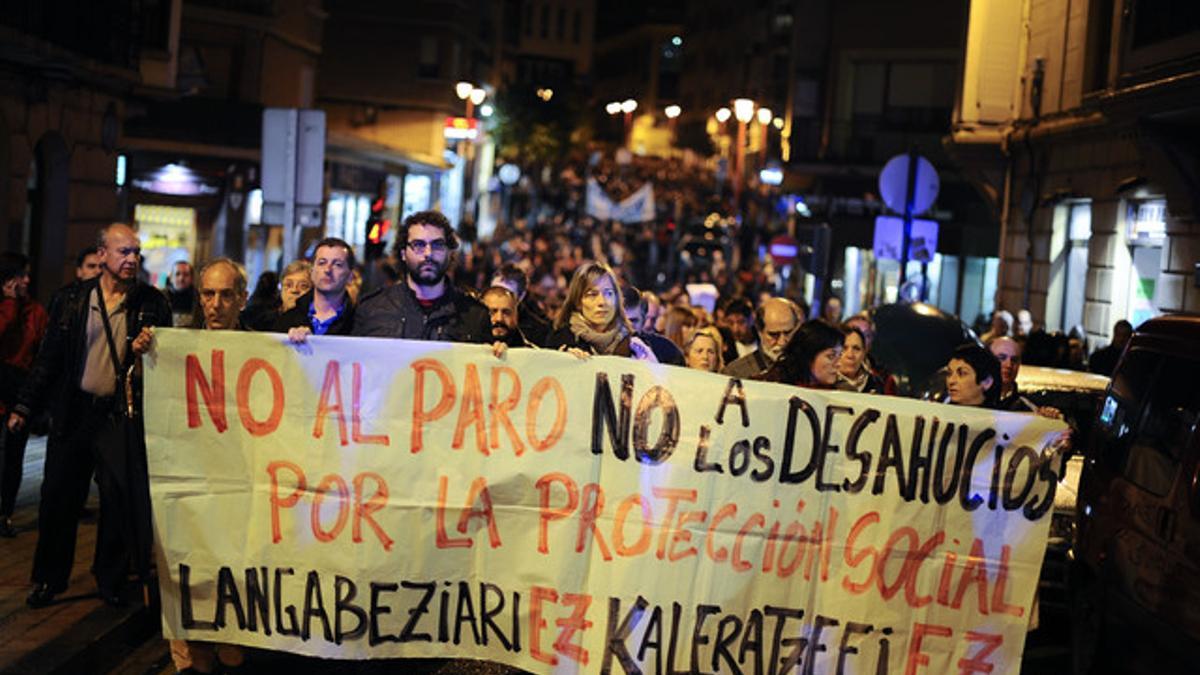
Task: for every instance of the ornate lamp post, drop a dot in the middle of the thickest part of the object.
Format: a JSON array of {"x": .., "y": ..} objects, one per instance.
[{"x": 743, "y": 110}]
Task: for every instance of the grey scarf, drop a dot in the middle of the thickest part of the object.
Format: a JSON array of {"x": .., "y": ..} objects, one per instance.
[{"x": 604, "y": 342}]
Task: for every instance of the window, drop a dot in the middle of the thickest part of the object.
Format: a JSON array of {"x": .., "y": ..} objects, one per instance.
[
  {"x": 560, "y": 30},
  {"x": 1166, "y": 427},
  {"x": 427, "y": 64},
  {"x": 1119, "y": 414},
  {"x": 1069, "y": 264},
  {"x": 528, "y": 19},
  {"x": 1147, "y": 220},
  {"x": 576, "y": 26},
  {"x": 545, "y": 21}
]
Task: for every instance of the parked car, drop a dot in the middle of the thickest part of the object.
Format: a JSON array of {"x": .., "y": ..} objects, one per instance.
[{"x": 1135, "y": 578}]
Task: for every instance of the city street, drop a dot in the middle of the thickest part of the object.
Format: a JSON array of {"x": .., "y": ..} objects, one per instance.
[{"x": 600, "y": 336}]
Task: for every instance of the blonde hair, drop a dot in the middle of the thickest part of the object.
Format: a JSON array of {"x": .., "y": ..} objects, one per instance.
[
  {"x": 297, "y": 266},
  {"x": 713, "y": 334}
]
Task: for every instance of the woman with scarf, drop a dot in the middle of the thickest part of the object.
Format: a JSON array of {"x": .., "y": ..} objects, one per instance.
[
  {"x": 592, "y": 319},
  {"x": 853, "y": 373}
]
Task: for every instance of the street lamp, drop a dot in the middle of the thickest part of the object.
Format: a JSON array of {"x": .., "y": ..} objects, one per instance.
[
  {"x": 672, "y": 112},
  {"x": 471, "y": 94},
  {"x": 722, "y": 115},
  {"x": 764, "y": 118},
  {"x": 627, "y": 107},
  {"x": 613, "y": 108},
  {"x": 743, "y": 110}
]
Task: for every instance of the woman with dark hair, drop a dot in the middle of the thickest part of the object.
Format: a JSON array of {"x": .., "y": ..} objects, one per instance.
[
  {"x": 973, "y": 377},
  {"x": 262, "y": 309},
  {"x": 810, "y": 358},
  {"x": 853, "y": 373},
  {"x": 23, "y": 324},
  {"x": 592, "y": 318}
]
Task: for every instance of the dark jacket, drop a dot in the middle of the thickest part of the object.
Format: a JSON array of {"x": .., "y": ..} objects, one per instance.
[
  {"x": 54, "y": 379},
  {"x": 1016, "y": 402},
  {"x": 532, "y": 321},
  {"x": 664, "y": 350},
  {"x": 748, "y": 367},
  {"x": 393, "y": 312},
  {"x": 297, "y": 317}
]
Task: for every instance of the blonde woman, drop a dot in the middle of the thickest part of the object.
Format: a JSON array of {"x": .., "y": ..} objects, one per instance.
[
  {"x": 704, "y": 350},
  {"x": 295, "y": 282}
]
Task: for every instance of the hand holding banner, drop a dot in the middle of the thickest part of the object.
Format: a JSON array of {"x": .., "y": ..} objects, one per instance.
[{"x": 365, "y": 498}]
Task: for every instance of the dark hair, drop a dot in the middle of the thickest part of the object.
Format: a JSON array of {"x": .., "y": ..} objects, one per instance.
[
  {"x": 740, "y": 306},
  {"x": 428, "y": 218},
  {"x": 511, "y": 273},
  {"x": 985, "y": 364},
  {"x": 814, "y": 337},
  {"x": 848, "y": 329},
  {"x": 12, "y": 264},
  {"x": 267, "y": 288},
  {"x": 90, "y": 250},
  {"x": 335, "y": 241},
  {"x": 631, "y": 297}
]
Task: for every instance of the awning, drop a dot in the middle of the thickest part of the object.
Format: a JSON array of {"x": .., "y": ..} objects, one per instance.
[{"x": 350, "y": 149}]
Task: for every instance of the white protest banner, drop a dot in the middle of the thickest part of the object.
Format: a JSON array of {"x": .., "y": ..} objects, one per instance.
[
  {"x": 638, "y": 207},
  {"x": 366, "y": 498}
]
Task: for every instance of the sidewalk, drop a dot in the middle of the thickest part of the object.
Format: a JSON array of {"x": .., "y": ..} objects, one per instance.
[{"x": 78, "y": 633}]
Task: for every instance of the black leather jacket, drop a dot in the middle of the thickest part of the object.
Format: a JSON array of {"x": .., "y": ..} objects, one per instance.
[
  {"x": 54, "y": 378},
  {"x": 394, "y": 312}
]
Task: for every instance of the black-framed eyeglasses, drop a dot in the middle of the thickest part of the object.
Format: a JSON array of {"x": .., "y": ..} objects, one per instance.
[{"x": 419, "y": 246}]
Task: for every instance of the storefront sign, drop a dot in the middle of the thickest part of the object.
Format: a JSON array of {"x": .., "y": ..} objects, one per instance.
[{"x": 461, "y": 128}]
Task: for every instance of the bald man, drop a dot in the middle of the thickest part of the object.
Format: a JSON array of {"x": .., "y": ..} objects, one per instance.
[
  {"x": 777, "y": 320},
  {"x": 82, "y": 374}
]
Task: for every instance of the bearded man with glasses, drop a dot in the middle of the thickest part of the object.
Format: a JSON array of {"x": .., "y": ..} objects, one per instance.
[{"x": 425, "y": 305}]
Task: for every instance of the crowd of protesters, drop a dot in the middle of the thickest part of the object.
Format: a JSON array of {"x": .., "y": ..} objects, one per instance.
[{"x": 540, "y": 286}]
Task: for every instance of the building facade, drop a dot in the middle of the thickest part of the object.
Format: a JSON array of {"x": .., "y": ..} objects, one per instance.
[
  {"x": 66, "y": 70},
  {"x": 849, "y": 85},
  {"x": 1078, "y": 119}
]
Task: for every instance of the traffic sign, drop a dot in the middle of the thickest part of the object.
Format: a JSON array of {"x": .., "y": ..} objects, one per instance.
[
  {"x": 893, "y": 184},
  {"x": 889, "y": 237},
  {"x": 784, "y": 249}
]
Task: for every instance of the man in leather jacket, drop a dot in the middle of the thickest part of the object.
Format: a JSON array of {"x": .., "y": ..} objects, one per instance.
[
  {"x": 86, "y": 379},
  {"x": 424, "y": 305}
]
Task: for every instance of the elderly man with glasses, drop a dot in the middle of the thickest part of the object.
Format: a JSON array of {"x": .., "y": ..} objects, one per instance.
[{"x": 425, "y": 305}]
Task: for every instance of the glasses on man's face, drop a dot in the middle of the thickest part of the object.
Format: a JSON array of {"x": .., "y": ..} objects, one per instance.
[{"x": 420, "y": 246}]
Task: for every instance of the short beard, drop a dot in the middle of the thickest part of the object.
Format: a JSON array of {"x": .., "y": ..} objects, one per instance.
[
  {"x": 501, "y": 332},
  {"x": 424, "y": 280}
]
